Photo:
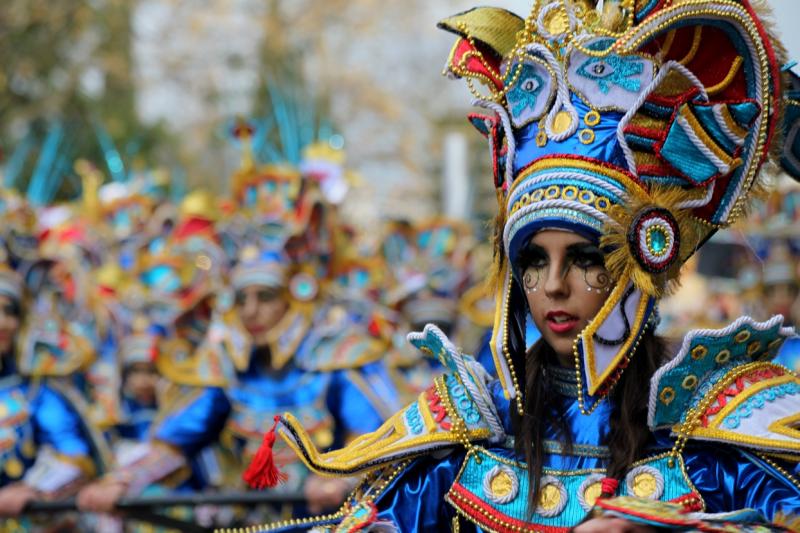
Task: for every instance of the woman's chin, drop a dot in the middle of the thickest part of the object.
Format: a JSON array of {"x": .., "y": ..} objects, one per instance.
[{"x": 563, "y": 348}]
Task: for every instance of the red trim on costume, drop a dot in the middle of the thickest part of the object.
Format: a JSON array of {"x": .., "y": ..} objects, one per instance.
[
  {"x": 370, "y": 519},
  {"x": 691, "y": 502},
  {"x": 737, "y": 387},
  {"x": 437, "y": 409},
  {"x": 473, "y": 64},
  {"x": 486, "y": 515}
]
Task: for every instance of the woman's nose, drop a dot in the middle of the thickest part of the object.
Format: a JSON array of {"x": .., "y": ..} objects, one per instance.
[
  {"x": 556, "y": 284},
  {"x": 249, "y": 307}
]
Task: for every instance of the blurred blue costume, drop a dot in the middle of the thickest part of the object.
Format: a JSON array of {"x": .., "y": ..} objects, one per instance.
[
  {"x": 318, "y": 365},
  {"x": 44, "y": 440},
  {"x": 613, "y": 125}
]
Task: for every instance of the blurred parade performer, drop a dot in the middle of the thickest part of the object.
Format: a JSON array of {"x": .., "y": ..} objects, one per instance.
[
  {"x": 428, "y": 265},
  {"x": 240, "y": 345},
  {"x": 781, "y": 291},
  {"x": 47, "y": 449},
  {"x": 622, "y": 135}
]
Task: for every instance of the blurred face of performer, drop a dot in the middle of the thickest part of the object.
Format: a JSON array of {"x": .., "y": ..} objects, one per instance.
[
  {"x": 260, "y": 308},
  {"x": 566, "y": 284},
  {"x": 780, "y": 298},
  {"x": 9, "y": 323},
  {"x": 141, "y": 381}
]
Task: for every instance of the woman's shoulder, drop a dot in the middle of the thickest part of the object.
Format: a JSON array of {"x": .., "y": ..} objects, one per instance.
[{"x": 723, "y": 387}]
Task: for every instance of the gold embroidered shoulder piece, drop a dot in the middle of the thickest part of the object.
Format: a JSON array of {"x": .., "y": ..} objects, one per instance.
[
  {"x": 456, "y": 409},
  {"x": 724, "y": 387}
]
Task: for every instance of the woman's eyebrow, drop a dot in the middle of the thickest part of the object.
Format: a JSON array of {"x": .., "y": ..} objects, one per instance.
[
  {"x": 582, "y": 247},
  {"x": 532, "y": 248}
]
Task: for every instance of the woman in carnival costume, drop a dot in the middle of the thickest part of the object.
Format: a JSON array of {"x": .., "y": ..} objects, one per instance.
[
  {"x": 46, "y": 451},
  {"x": 621, "y": 138}
]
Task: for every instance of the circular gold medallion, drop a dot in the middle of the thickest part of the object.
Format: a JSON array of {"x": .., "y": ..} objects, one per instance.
[
  {"x": 753, "y": 347},
  {"x": 501, "y": 484},
  {"x": 666, "y": 395},
  {"x": 591, "y": 493},
  {"x": 644, "y": 485},
  {"x": 562, "y": 122},
  {"x": 549, "y": 497}
]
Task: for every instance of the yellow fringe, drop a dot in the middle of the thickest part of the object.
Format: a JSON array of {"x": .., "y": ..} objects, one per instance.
[
  {"x": 790, "y": 522},
  {"x": 621, "y": 257}
]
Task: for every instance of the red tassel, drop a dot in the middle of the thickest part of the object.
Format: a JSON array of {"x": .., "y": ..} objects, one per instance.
[
  {"x": 262, "y": 472},
  {"x": 608, "y": 487}
]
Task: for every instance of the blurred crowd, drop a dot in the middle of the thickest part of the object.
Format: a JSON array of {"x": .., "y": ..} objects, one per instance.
[
  {"x": 147, "y": 344},
  {"x": 750, "y": 269}
]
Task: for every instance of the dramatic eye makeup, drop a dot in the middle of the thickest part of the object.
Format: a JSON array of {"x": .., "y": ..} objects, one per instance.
[{"x": 581, "y": 259}]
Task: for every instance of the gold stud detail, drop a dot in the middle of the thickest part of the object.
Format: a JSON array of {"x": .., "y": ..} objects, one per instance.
[
  {"x": 586, "y": 136},
  {"x": 561, "y": 122},
  {"x": 699, "y": 352},
  {"x": 689, "y": 382},
  {"x": 666, "y": 395},
  {"x": 753, "y": 347},
  {"x": 592, "y": 118},
  {"x": 723, "y": 357}
]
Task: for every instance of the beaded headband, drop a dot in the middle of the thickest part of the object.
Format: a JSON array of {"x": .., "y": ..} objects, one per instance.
[{"x": 641, "y": 125}]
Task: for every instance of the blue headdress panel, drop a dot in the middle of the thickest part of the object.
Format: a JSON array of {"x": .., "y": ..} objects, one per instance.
[{"x": 641, "y": 127}]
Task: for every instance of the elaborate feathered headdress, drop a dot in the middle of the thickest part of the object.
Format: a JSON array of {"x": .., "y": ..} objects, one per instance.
[{"x": 641, "y": 125}]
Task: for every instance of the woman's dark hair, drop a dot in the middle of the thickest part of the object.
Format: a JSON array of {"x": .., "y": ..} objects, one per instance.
[{"x": 628, "y": 433}]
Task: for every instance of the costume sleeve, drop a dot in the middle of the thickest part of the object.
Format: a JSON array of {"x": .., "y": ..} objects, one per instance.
[
  {"x": 731, "y": 479},
  {"x": 58, "y": 425},
  {"x": 66, "y": 456},
  {"x": 415, "y": 500},
  {"x": 195, "y": 422},
  {"x": 352, "y": 402}
]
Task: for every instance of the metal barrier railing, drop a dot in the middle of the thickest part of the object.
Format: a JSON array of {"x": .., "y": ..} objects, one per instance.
[{"x": 145, "y": 508}]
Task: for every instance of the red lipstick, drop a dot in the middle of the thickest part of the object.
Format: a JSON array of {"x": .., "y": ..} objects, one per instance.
[{"x": 561, "y": 322}]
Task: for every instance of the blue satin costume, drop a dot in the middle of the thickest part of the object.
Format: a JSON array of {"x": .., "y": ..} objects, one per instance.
[
  {"x": 789, "y": 354},
  {"x": 727, "y": 478},
  {"x": 330, "y": 401},
  {"x": 35, "y": 415}
]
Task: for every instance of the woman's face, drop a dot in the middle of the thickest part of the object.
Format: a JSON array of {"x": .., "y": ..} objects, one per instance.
[
  {"x": 9, "y": 323},
  {"x": 260, "y": 308},
  {"x": 141, "y": 382},
  {"x": 566, "y": 284}
]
